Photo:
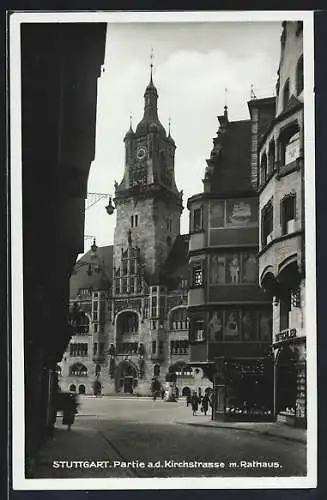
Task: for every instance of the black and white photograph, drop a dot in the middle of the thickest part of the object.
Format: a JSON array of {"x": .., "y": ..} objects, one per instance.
[{"x": 162, "y": 177}]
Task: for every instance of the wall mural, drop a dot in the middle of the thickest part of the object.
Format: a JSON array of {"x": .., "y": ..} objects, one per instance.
[
  {"x": 244, "y": 324},
  {"x": 235, "y": 212},
  {"x": 233, "y": 268}
]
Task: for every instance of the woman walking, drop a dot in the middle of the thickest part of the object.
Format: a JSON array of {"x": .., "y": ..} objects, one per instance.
[{"x": 195, "y": 402}]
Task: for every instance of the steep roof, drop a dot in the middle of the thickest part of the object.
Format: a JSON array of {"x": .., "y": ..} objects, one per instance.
[
  {"x": 232, "y": 167},
  {"x": 101, "y": 263},
  {"x": 176, "y": 266}
]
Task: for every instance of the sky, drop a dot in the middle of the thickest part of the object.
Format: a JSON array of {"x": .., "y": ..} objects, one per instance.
[{"x": 193, "y": 64}]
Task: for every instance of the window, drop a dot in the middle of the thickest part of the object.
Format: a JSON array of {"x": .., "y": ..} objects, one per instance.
[
  {"x": 117, "y": 286},
  {"x": 286, "y": 93},
  {"x": 161, "y": 347},
  {"x": 178, "y": 319},
  {"x": 263, "y": 169},
  {"x": 267, "y": 224},
  {"x": 124, "y": 289},
  {"x": 78, "y": 350},
  {"x": 127, "y": 323},
  {"x": 233, "y": 268},
  {"x": 154, "y": 346},
  {"x": 197, "y": 275},
  {"x": 156, "y": 370},
  {"x": 95, "y": 348},
  {"x": 101, "y": 348},
  {"x": 154, "y": 313},
  {"x": 271, "y": 157},
  {"x": 288, "y": 214},
  {"x": 169, "y": 224},
  {"x": 284, "y": 309},
  {"x": 197, "y": 219},
  {"x": 289, "y": 145},
  {"x": 134, "y": 220},
  {"x": 198, "y": 330},
  {"x": 78, "y": 370},
  {"x": 299, "y": 76},
  {"x": 96, "y": 328},
  {"x": 95, "y": 316}
]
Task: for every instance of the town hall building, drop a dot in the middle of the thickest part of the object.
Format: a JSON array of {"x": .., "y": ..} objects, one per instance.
[{"x": 129, "y": 300}]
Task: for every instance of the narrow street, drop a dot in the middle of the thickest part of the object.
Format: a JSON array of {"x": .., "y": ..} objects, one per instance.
[{"x": 138, "y": 437}]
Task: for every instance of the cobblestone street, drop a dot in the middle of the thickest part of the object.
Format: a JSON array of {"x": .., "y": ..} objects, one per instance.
[{"x": 109, "y": 432}]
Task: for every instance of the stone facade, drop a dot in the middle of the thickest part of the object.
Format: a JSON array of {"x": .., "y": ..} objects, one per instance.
[
  {"x": 129, "y": 301},
  {"x": 282, "y": 238}
]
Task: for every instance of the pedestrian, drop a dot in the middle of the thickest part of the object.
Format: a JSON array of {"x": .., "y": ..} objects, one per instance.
[
  {"x": 205, "y": 403},
  {"x": 162, "y": 393},
  {"x": 188, "y": 399},
  {"x": 195, "y": 403},
  {"x": 69, "y": 409}
]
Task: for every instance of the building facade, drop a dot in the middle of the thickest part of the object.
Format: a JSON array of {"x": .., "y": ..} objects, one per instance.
[
  {"x": 60, "y": 66},
  {"x": 282, "y": 242},
  {"x": 230, "y": 316},
  {"x": 129, "y": 300}
]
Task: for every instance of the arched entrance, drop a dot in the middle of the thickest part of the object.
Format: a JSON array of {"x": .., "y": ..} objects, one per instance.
[
  {"x": 126, "y": 377},
  {"x": 81, "y": 389},
  {"x": 72, "y": 387},
  {"x": 286, "y": 383}
]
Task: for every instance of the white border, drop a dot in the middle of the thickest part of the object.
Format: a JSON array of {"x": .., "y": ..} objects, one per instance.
[{"x": 19, "y": 481}]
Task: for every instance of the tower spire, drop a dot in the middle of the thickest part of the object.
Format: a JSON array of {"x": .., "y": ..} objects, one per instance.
[{"x": 169, "y": 123}]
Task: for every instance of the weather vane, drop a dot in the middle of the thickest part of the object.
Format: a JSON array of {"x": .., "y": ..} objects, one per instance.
[
  {"x": 226, "y": 90},
  {"x": 151, "y": 60}
]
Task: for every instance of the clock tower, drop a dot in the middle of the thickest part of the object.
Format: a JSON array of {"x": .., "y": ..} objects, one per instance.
[{"x": 148, "y": 203}]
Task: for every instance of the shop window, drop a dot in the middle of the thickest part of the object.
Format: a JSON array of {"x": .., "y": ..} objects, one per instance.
[
  {"x": 197, "y": 275},
  {"x": 299, "y": 76},
  {"x": 197, "y": 220},
  {"x": 267, "y": 224},
  {"x": 287, "y": 212},
  {"x": 263, "y": 169},
  {"x": 284, "y": 309},
  {"x": 286, "y": 94}
]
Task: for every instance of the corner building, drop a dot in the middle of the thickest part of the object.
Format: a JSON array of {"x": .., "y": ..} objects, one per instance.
[
  {"x": 230, "y": 316},
  {"x": 129, "y": 300},
  {"x": 282, "y": 240}
]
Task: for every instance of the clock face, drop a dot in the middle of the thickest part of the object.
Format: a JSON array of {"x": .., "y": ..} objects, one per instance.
[{"x": 141, "y": 152}]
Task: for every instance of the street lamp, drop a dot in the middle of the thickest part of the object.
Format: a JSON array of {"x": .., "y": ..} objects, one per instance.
[{"x": 110, "y": 207}]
